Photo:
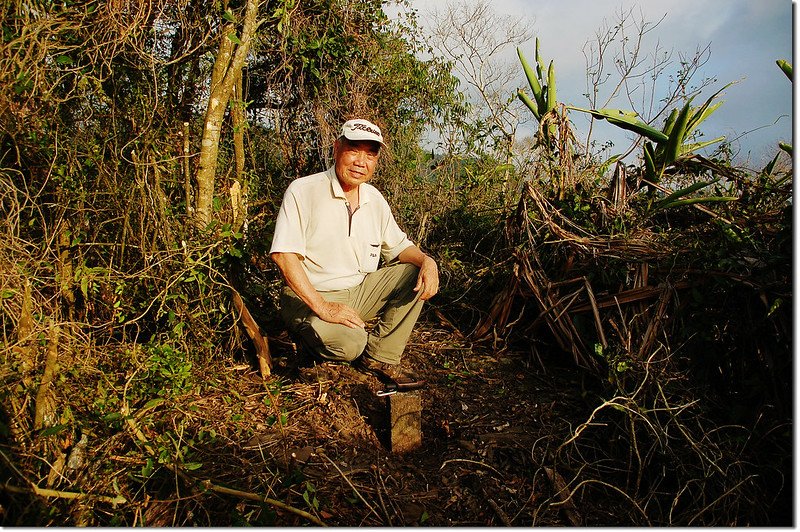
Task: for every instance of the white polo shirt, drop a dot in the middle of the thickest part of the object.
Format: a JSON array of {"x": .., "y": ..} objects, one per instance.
[{"x": 337, "y": 249}]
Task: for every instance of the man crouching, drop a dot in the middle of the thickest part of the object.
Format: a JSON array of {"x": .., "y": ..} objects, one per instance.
[{"x": 332, "y": 229}]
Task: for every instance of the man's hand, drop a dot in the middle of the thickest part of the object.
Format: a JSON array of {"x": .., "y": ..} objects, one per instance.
[
  {"x": 296, "y": 278},
  {"x": 339, "y": 313},
  {"x": 428, "y": 279}
]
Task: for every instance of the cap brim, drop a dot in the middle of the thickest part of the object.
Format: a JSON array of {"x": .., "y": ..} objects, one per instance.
[{"x": 356, "y": 135}]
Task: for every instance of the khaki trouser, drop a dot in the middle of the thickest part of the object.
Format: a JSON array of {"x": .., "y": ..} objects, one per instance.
[{"x": 387, "y": 294}]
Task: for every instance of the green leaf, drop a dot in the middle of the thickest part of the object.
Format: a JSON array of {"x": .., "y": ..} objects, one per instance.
[
  {"x": 191, "y": 466},
  {"x": 530, "y": 104},
  {"x": 670, "y": 122},
  {"x": 705, "y": 110},
  {"x": 152, "y": 403},
  {"x": 775, "y": 306},
  {"x": 627, "y": 120},
  {"x": 228, "y": 15},
  {"x": 700, "y": 115},
  {"x": 678, "y": 133},
  {"x": 691, "y": 148},
  {"x": 234, "y": 38},
  {"x": 52, "y": 430},
  {"x": 787, "y": 68},
  {"x": 687, "y": 190},
  {"x": 536, "y": 88},
  {"x": 785, "y": 147},
  {"x": 551, "y": 87},
  {"x": 539, "y": 61},
  {"x": 771, "y": 165},
  {"x": 704, "y": 199},
  {"x": 650, "y": 163}
]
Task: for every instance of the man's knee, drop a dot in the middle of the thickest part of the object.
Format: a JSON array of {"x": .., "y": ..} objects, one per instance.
[
  {"x": 339, "y": 342},
  {"x": 409, "y": 270},
  {"x": 404, "y": 275}
]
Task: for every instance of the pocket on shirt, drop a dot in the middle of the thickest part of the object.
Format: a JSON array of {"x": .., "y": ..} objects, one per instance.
[{"x": 372, "y": 256}]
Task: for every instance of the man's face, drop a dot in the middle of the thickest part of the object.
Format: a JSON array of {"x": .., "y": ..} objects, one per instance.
[{"x": 355, "y": 161}]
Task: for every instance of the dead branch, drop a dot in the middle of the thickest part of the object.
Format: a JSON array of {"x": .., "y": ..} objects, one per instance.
[
  {"x": 260, "y": 498},
  {"x": 254, "y": 332}
]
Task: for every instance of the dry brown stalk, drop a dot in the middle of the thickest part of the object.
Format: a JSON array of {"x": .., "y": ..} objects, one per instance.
[
  {"x": 656, "y": 322},
  {"x": 596, "y": 313},
  {"x": 24, "y": 350},
  {"x": 629, "y": 296}
]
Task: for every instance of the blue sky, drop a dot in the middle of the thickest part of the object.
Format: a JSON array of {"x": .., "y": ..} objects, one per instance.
[{"x": 746, "y": 37}]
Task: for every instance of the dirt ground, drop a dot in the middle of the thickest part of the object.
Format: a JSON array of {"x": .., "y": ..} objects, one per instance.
[{"x": 489, "y": 420}]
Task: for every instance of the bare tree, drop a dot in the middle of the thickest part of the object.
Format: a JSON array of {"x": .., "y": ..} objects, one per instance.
[
  {"x": 618, "y": 68},
  {"x": 474, "y": 38}
]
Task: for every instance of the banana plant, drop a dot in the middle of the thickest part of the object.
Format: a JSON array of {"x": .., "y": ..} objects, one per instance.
[
  {"x": 663, "y": 148},
  {"x": 543, "y": 89}
]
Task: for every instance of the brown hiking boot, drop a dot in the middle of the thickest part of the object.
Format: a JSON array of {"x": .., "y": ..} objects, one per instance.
[{"x": 389, "y": 373}]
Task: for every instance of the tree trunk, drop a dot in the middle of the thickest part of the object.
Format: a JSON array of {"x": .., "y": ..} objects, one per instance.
[
  {"x": 227, "y": 69},
  {"x": 239, "y": 187}
]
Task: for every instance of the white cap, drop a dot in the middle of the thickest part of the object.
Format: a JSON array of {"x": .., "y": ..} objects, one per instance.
[{"x": 362, "y": 130}]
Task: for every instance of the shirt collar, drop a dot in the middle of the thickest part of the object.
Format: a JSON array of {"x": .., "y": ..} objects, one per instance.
[{"x": 338, "y": 192}]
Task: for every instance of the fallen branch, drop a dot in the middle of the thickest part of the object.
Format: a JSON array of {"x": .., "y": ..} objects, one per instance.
[
  {"x": 44, "y": 492},
  {"x": 260, "y": 498}
]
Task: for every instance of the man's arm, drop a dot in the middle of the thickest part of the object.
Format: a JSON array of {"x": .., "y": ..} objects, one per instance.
[
  {"x": 296, "y": 278},
  {"x": 428, "y": 279}
]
